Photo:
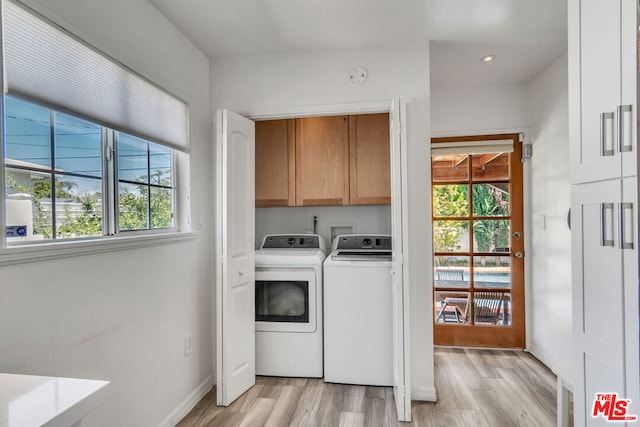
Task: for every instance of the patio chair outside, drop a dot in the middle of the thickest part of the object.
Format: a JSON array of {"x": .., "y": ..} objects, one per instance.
[
  {"x": 450, "y": 275},
  {"x": 487, "y": 307},
  {"x": 453, "y": 308}
]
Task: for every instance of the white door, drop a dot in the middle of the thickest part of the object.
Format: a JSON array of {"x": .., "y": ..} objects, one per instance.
[
  {"x": 235, "y": 256},
  {"x": 628, "y": 212},
  {"x": 597, "y": 156},
  {"x": 401, "y": 367},
  {"x": 628, "y": 112},
  {"x": 598, "y": 303}
]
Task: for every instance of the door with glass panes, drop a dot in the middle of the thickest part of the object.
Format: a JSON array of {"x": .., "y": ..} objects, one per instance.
[{"x": 478, "y": 241}]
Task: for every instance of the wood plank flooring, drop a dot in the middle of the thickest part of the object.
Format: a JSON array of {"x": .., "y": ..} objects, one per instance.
[{"x": 475, "y": 388}]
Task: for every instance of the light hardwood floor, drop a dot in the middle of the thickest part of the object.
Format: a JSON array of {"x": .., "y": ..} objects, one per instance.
[{"x": 475, "y": 388}]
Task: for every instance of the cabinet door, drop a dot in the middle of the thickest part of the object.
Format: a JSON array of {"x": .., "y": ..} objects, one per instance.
[
  {"x": 594, "y": 151},
  {"x": 322, "y": 161},
  {"x": 629, "y": 83},
  {"x": 275, "y": 163},
  {"x": 369, "y": 159},
  {"x": 598, "y": 304},
  {"x": 629, "y": 235}
]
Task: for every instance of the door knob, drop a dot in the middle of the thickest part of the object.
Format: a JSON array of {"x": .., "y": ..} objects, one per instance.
[{"x": 518, "y": 255}]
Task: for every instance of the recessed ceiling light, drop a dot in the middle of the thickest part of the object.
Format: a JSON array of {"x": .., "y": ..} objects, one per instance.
[{"x": 488, "y": 58}]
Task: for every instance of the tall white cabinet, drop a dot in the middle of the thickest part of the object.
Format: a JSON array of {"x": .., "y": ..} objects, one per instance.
[{"x": 603, "y": 92}]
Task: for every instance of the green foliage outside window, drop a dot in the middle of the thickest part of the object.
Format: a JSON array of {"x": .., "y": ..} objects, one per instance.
[
  {"x": 134, "y": 207},
  {"x": 488, "y": 200},
  {"x": 135, "y": 201},
  {"x": 453, "y": 201},
  {"x": 449, "y": 201}
]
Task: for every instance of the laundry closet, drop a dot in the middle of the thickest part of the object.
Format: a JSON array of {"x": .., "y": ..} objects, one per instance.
[{"x": 317, "y": 178}]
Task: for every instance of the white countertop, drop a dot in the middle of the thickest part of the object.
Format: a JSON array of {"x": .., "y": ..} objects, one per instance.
[{"x": 29, "y": 400}]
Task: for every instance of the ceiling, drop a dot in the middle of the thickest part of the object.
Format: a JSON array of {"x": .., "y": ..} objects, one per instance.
[{"x": 526, "y": 36}]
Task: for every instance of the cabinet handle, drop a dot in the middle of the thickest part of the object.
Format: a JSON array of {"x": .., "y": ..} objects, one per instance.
[
  {"x": 604, "y": 207},
  {"x": 623, "y": 225},
  {"x": 603, "y": 134},
  {"x": 622, "y": 147}
]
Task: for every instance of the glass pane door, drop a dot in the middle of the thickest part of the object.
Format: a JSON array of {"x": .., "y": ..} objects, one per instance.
[{"x": 478, "y": 241}]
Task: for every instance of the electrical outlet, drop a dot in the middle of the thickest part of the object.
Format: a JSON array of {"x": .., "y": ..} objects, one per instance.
[{"x": 188, "y": 348}]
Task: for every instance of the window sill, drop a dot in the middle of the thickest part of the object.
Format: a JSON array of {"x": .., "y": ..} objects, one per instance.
[{"x": 49, "y": 251}]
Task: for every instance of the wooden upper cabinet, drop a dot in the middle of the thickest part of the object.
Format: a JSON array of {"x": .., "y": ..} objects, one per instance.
[
  {"x": 275, "y": 163},
  {"x": 322, "y": 161},
  {"x": 369, "y": 147}
]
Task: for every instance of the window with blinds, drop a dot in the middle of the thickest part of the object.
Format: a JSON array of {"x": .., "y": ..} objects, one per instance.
[{"x": 90, "y": 147}]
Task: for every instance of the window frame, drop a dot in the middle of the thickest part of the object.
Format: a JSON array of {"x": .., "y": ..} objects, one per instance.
[{"x": 112, "y": 238}]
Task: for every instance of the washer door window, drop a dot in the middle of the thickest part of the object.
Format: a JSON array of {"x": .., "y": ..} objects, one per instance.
[{"x": 286, "y": 301}]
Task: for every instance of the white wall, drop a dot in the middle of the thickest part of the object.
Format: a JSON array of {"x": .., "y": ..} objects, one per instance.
[
  {"x": 363, "y": 219},
  {"x": 123, "y": 316},
  {"x": 478, "y": 110},
  {"x": 290, "y": 83},
  {"x": 550, "y": 199}
]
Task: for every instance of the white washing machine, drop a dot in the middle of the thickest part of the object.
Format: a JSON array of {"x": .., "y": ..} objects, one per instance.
[
  {"x": 358, "y": 335},
  {"x": 289, "y": 305}
]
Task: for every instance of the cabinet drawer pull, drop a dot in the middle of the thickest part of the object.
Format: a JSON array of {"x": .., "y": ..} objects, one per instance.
[
  {"x": 606, "y": 232},
  {"x": 605, "y": 150},
  {"x": 622, "y": 229},
  {"x": 622, "y": 147}
]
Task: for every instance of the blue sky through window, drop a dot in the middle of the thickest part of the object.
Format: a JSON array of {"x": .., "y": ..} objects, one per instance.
[
  {"x": 78, "y": 146},
  {"x": 27, "y": 133},
  {"x": 77, "y": 143}
]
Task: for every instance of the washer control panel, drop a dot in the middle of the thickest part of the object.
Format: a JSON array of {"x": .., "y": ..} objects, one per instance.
[
  {"x": 360, "y": 241},
  {"x": 292, "y": 241}
]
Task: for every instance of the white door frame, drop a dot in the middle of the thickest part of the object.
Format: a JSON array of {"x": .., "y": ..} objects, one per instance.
[
  {"x": 320, "y": 110},
  {"x": 387, "y": 106},
  {"x": 400, "y": 265}
]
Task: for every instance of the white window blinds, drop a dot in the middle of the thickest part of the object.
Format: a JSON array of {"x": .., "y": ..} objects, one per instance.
[
  {"x": 472, "y": 147},
  {"x": 43, "y": 62}
]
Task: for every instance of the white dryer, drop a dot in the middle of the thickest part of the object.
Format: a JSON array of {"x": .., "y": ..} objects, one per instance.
[
  {"x": 358, "y": 334},
  {"x": 289, "y": 305}
]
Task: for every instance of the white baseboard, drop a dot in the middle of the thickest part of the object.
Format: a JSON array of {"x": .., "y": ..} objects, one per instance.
[
  {"x": 427, "y": 394},
  {"x": 548, "y": 362},
  {"x": 542, "y": 357},
  {"x": 188, "y": 403}
]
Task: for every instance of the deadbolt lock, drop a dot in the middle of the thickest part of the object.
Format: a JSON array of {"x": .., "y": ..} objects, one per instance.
[{"x": 516, "y": 235}]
